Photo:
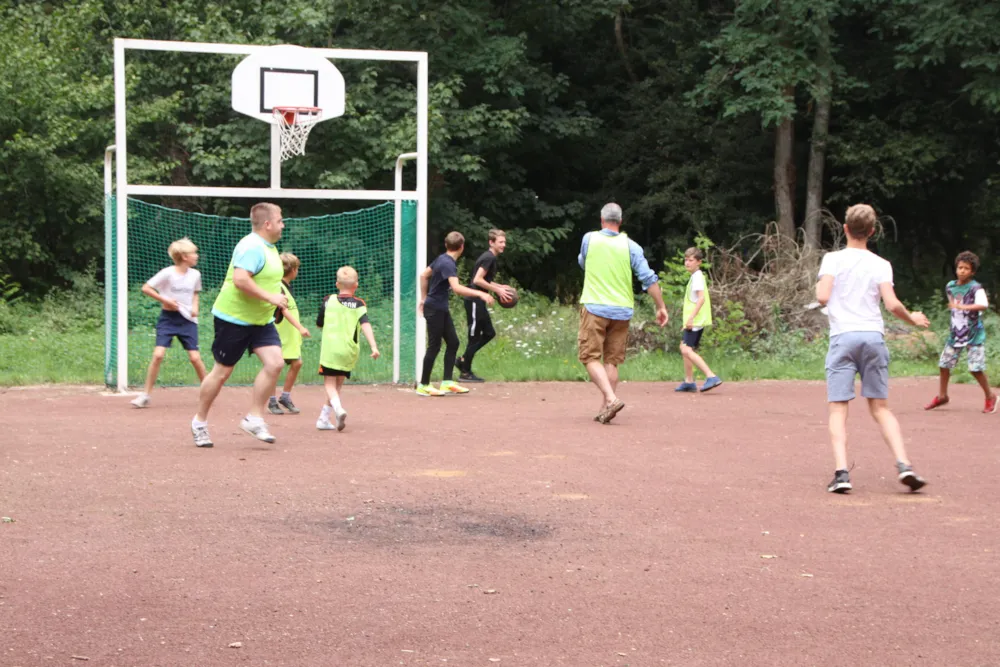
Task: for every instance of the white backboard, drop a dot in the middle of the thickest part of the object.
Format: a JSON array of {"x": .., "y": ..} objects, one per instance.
[{"x": 287, "y": 76}]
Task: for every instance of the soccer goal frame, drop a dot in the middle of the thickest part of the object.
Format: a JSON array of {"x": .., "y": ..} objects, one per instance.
[{"x": 117, "y": 155}]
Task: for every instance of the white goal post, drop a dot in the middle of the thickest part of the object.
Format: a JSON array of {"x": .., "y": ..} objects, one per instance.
[{"x": 124, "y": 189}]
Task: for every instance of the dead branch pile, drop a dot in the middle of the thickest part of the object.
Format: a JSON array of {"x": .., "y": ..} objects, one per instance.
[{"x": 773, "y": 277}]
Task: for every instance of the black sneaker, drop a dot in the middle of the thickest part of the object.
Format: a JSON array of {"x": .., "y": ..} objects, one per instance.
[
  {"x": 841, "y": 482},
  {"x": 909, "y": 478},
  {"x": 273, "y": 407},
  {"x": 287, "y": 404},
  {"x": 469, "y": 377}
]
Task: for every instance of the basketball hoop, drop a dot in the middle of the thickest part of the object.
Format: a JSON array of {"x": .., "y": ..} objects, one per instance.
[{"x": 294, "y": 125}]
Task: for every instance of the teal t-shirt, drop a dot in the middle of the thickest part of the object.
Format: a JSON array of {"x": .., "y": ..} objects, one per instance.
[{"x": 966, "y": 325}]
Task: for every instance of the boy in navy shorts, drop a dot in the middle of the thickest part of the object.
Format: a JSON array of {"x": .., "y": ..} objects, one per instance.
[
  {"x": 697, "y": 316},
  {"x": 176, "y": 288},
  {"x": 851, "y": 283}
]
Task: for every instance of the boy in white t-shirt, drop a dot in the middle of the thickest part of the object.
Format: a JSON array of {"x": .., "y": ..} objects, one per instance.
[
  {"x": 176, "y": 287},
  {"x": 851, "y": 284},
  {"x": 697, "y": 316}
]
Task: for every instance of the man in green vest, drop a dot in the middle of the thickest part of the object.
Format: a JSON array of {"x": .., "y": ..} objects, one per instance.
[
  {"x": 244, "y": 320},
  {"x": 609, "y": 258}
]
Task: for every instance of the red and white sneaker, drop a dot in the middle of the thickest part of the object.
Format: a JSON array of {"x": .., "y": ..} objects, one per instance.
[
  {"x": 991, "y": 405},
  {"x": 936, "y": 403}
]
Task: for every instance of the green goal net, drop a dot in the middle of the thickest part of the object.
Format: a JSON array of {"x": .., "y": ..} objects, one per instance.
[{"x": 362, "y": 239}]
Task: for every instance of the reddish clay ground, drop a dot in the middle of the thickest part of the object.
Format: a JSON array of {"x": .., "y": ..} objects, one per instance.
[{"x": 503, "y": 527}]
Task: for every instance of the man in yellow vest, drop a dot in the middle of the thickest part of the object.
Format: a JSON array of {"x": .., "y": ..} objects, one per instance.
[
  {"x": 609, "y": 258},
  {"x": 244, "y": 320}
]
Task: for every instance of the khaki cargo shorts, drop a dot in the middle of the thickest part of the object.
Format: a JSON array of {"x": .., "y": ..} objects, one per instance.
[{"x": 600, "y": 338}]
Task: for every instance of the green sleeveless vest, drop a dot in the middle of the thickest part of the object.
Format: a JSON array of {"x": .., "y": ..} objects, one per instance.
[
  {"x": 607, "y": 277},
  {"x": 704, "y": 318},
  {"x": 235, "y": 304},
  {"x": 291, "y": 339},
  {"x": 341, "y": 328}
]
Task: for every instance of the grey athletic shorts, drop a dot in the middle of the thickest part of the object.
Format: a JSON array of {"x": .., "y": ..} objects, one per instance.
[{"x": 852, "y": 353}]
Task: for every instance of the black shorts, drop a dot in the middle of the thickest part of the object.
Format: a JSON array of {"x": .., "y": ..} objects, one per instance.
[
  {"x": 232, "y": 340},
  {"x": 172, "y": 324},
  {"x": 333, "y": 372},
  {"x": 692, "y": 338}
]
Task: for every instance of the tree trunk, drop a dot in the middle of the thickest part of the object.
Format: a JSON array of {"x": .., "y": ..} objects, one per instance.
[
  {"x": 784, "y": 177},
  {"x": 817, "y": 150}
]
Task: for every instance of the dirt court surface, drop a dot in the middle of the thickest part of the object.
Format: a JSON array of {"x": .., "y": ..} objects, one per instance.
[{"x": 499, "y": 528}]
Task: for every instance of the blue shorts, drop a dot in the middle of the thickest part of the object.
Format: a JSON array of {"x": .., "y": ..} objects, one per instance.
[
  {"x": 854, "y": 353},
  {"x": 232, "y": 340},
  {"x": 171, "y": 324},
  {"x": 692, "y": 338}
]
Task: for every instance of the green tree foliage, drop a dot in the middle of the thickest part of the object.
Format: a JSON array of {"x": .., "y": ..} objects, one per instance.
[{"x": 541, "y": 111}]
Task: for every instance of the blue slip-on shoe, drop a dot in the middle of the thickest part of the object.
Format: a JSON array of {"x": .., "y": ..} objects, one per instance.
[
  {"x": 711, "y": 383},
  {"x": 687, "y": 386}
]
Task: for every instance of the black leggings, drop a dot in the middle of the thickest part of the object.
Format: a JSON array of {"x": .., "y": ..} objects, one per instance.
[{"x": 439, "y": 325}]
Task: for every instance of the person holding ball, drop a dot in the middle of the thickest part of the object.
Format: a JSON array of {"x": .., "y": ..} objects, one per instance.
[{"x": 480, "y": 327}]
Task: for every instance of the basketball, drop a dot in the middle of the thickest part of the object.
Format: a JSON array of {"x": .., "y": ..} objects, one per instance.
[{"x": 511, "y": 303}]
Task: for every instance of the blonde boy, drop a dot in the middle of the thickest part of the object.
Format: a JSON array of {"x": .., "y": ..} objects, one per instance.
[
  {"x": 176, "y": 288},
  {"x": 291, "y": 333},
  {"x": 697, "y": 316},
  {"x": 851, "y": 283},
  {"x": 341, "y": 317}
]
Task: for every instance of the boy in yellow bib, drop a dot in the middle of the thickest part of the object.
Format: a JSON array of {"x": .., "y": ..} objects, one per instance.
[
  {"x": 342, "y": 317},
  {"x": 291, "y": 332},
  {"x": 697, "y": 316}
]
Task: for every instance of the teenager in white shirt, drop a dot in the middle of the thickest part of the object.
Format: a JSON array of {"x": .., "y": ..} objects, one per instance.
[{"x": 851, "y": 284}]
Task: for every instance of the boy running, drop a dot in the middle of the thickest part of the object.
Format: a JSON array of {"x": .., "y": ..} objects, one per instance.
[
  {"x": 435, "y": 282},
  {"x": 291, "y": 332},
  {"x": 341, "y": 317},
  {"x": 697, "y": 316},
  {"x": 851, "y": 284},
  {"x": 481, "y": 329},
  {"x": 176, "y": 288},
  {"x": 967, "y": 300}
]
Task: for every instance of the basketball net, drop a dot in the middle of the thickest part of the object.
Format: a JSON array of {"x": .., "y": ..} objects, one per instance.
[{"x": 294, "y": 125}]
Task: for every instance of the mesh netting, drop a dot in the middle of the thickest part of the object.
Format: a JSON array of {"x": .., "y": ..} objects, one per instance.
[{"x": 362, "y": 239}]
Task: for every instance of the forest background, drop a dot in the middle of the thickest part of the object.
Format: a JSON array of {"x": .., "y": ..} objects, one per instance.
[{"x": 716, "y": 119}]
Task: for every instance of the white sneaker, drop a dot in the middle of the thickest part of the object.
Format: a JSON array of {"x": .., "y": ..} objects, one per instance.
[
  {"x": 258, "y": 430},
  {"x": 201, "y": 437},
  {"x": 140, "y": 401},
  {"x": 323, "y": 424},
  {"x": 341, "y": 420}
]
